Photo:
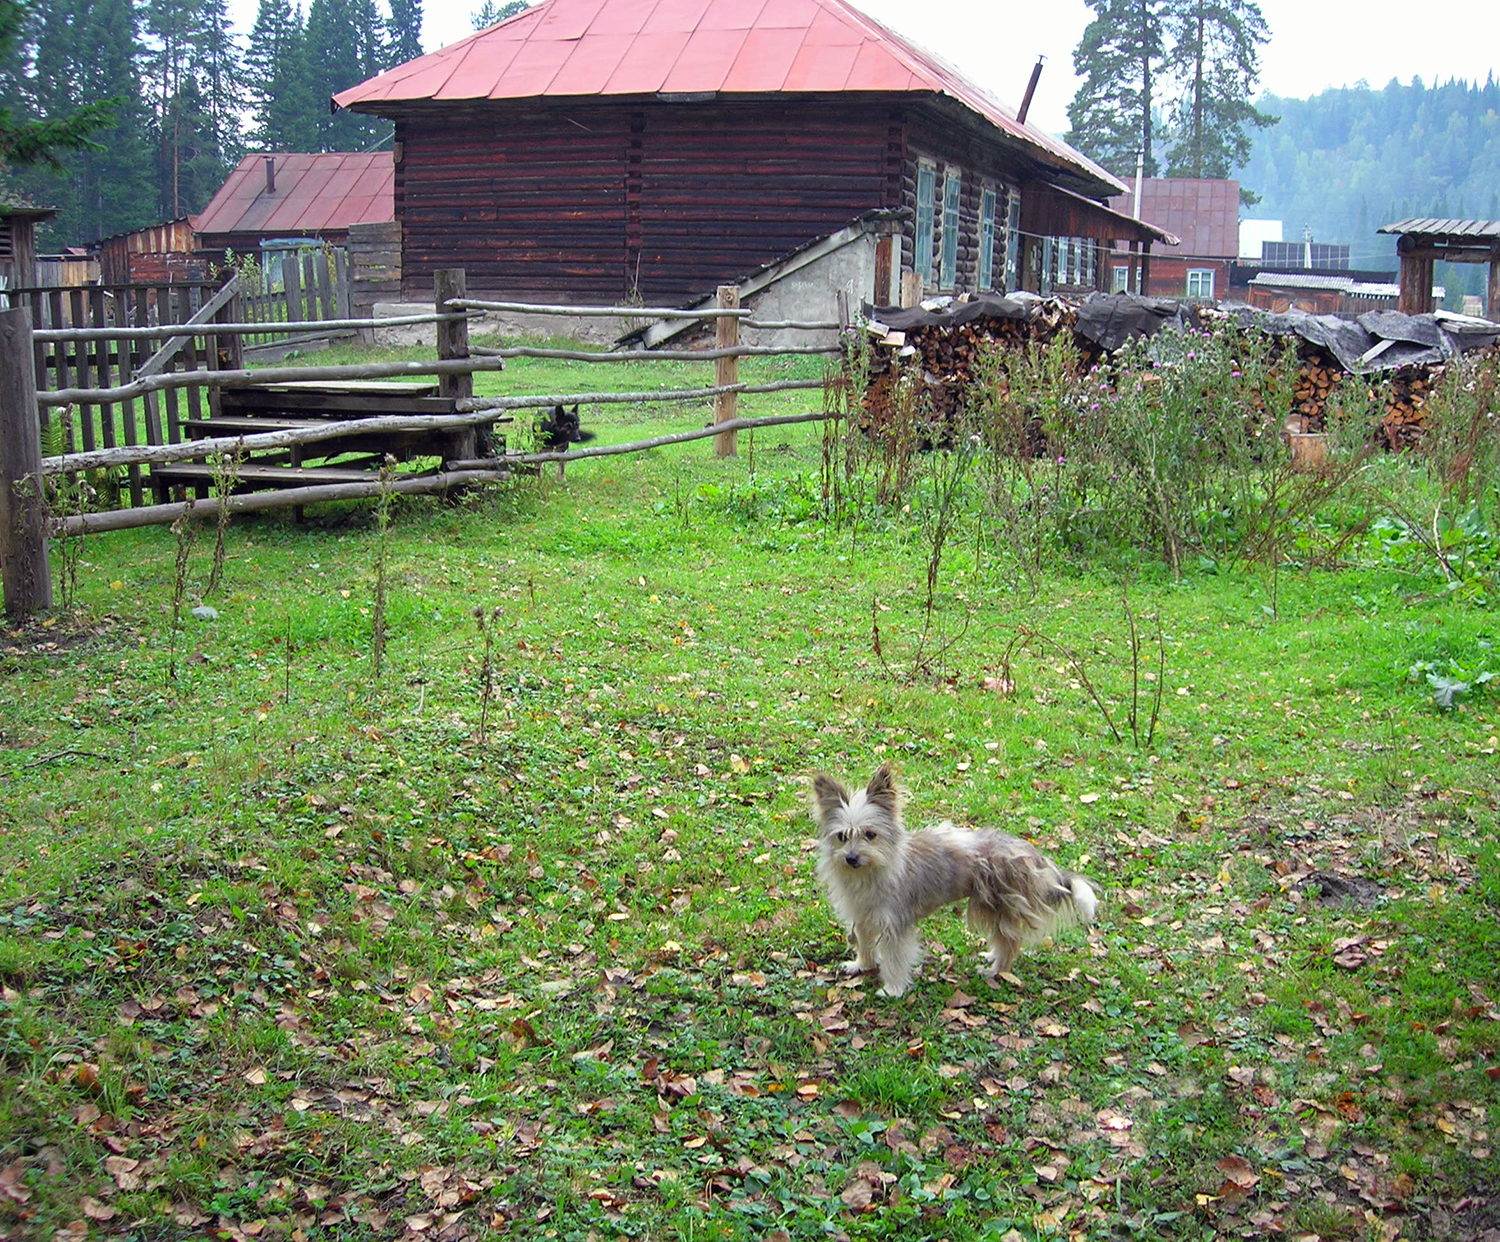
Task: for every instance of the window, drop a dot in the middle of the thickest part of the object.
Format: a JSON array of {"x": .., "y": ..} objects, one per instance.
[
  {"x": 1120, "y": 278},
  {"x": 926, "y": 187},
  {"x": 1013, "y": 239},
  {"x": 1200, "y": 283},
  {"x": 986, "y": 241},
  {"x": 952, "y": 192}
]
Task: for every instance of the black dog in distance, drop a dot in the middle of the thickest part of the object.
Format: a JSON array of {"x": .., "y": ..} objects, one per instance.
[{"x": 559, "y": 428}]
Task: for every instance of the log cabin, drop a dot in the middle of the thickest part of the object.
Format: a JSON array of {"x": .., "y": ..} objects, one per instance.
[{"x": 615, "y": 151}]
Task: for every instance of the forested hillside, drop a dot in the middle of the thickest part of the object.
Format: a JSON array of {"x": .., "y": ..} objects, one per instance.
[{"x": 1346, "y": 161}]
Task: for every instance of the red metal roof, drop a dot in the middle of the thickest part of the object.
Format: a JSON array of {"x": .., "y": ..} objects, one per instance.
[
  {"x": 1204, "y": 214},
  {"x": 593, "y": 48},
  {"x": 324, "y": 191}
]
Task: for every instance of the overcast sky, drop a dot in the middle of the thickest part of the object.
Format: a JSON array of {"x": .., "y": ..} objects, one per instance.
[{"x": 1314, "y": 43}]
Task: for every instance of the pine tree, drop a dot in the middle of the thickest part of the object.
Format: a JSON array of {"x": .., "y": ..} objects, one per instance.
[
  {"x": 114, "y": 183},
  {"x": 403, "y": 32},
  {"x": 1119, "y": 58},
  {"x": 62, "y": 121},
  {"x": 284, "y": 107},
  {"x": 491, "y": 13},
  {"x": 344, "y": 47},
  {"x": 192, "y": 68},
  {"x": 1213, "y": 66}
]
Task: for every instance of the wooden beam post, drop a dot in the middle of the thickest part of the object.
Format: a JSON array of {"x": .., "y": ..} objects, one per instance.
[
  {"x": 453, "y": 342},
  {"x": 1492, "y": 294},
  {"x": 727, "y": 370},
  {"x": 24, "y": 566}
]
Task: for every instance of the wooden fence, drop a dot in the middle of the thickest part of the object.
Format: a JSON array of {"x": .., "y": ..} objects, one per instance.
[{"x": 141, "y": 416}]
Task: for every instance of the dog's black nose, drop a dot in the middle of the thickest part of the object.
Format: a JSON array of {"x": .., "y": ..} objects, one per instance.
[{"x": 852, "y": 859}]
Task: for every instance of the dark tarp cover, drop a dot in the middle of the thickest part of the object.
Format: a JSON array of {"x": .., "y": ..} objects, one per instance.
[
  {"x": 1377, "y": 341},
  {"x": 986, "y": 305},
  {"x": 1111, "y": 319}
]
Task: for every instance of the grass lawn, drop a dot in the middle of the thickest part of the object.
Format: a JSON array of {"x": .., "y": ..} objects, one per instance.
[{"x": 521, "y": 937}]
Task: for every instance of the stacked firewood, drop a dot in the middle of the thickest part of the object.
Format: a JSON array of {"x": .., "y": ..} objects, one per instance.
[
  {"x": 933, "y": 367},
  {"x": 939, "y": 362},
  {"x": 1317, "y": 376},
  {"x": 1402, "y": 422}
]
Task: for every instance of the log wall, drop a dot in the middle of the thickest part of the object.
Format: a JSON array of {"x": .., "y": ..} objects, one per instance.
[{"x": 604, "y": 203}]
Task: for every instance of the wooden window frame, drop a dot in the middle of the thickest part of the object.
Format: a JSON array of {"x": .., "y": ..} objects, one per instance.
[
  {"x": 988, "y": 202},
  {"x": 953, "y": 197},
  {"x": 926, "y": 222}
]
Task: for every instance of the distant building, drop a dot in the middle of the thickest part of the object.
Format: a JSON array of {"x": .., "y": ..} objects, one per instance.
[
  {"x": 1255, "y": 233},
  {"x": 314, "y": 196},
  {"x": 18, "y": 244},
  {"x": 1323, "y": 293},
  {"x": 1205, "y": 215},
  {"x": 157, "y": 254}
]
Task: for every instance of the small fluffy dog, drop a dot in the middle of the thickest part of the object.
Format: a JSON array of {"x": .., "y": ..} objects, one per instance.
[
  {"x": 559, "y": 428},
  {"x": 882, "y": 879}
]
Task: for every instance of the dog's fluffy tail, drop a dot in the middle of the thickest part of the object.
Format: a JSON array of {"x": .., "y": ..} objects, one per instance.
[{"x": 1085, "y": 899}]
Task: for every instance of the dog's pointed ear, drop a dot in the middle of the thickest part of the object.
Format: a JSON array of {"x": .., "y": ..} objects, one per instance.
[
  {"x": 881, "y": 790},
  {"x": 827, "y": 795}
]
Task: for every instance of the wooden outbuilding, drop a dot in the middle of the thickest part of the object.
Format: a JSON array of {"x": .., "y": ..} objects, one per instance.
[
  {"x": 1422, "y": 242},
  {"x": 157, "y": 254},
  {"x": 18, "y": 244},
  {"x": 607, "y": 150},
  {"x": 315, "y": 196}
]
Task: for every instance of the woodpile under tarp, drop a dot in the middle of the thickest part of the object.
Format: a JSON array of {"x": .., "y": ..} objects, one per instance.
[{"x": 939, "y": 343}]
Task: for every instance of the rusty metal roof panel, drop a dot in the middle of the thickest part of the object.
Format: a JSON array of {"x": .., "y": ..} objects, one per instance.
[
  {"x": 474, "y": 73},
  {"x": 695, "y": 46},
  {"x": 624, "y": 17},
  {"x": 593, "y": 62},
  {"x": 677, "y": 16},
  {"x": 731, "y": 15},
  {"x": 821, "y": 68},
  {"x": 326, "y": 190},
  {"x": 644, "y": 72},
  {"x": 705, "y": 61},
  {"x": 764, "y": 61}
]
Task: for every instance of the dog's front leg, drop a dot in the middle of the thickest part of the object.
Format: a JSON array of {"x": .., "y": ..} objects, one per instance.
[
  {"x": 863, "y": 960},
  {"x": 898, "y": 958}
]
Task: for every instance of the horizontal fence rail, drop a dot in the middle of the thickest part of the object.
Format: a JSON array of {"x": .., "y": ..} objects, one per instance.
[{"x": 187, "y": 412}]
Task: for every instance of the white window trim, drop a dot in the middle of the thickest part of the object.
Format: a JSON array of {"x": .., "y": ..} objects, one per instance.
[{"x": 1202, "y": 273}]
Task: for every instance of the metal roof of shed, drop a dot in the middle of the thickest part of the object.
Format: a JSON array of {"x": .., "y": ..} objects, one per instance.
[
  {"x": 1417, "y": 226},
  {"x": 328, "y": 190},
  {"x": 598, "y": 48}
]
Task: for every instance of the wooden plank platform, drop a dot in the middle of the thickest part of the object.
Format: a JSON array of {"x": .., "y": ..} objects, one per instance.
[
  {"x": 324, "y": 402},
  {"x": 253, "y": 477},
  {"x": 253, "y": 408}
]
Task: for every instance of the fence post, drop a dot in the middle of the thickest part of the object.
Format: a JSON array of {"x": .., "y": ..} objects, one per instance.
[
  {"x": 23, "y": 514},
  {"x": 727, "y": 370},
  {"x": 453, "y": 342}
]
